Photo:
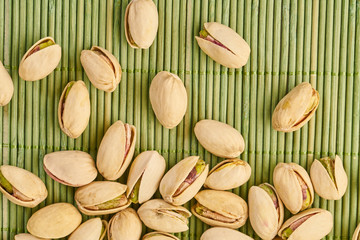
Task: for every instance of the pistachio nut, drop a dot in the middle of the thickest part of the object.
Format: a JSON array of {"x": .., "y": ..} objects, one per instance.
[
  {"x": 356, "y": 235},
  {"x": 220, "y": 209},
  {"x": 74, "y": 109},
  {"x": 101, "y": 197},
  {"x": 222, "y": 233},
  {"x": 296, "y": 108},
  {"x": 141, "y": 23},
  {"x": 21, "y": 186},
  {"x": 329, "y": 177},
  {"x": 40, "y": 60},
  {"x": 266, "y": 211},
  {"x": 26, "y": 236},
  {"x": 71, "y": 168},
  {"x": 162, "y": 216},
  {"x": 92, "y": 229},
  {"x": 54, "y": 221},
  {"x": 180, "y": 184},
  {"x": 126, "y": 224},
  {"x": 223, "y": 45},
  {"x": 116, "y": 150},
  {"x": 219, "y": 138},
  {"x": 102, "y": 68},
  {"x": 312, "y": 224},
  {"x": 168, "y": 99},
  {"x": 144, "y": 177},
  {"x": 7, "y": 86},
  {"x": 228, "y": 174},
  {"x": 159, "y": 236}
]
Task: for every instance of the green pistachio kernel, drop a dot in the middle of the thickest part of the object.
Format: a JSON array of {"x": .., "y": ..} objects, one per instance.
[
  {"x": 102, "y": 229},
  {"x": 46, "y": 44},
  {"x": 5, "y": 184},
  {"x": 203, "y": 33},
  {"x": 286, "y": 233},
  {"x": 68, "y": 89},
  {"x": 114, "y": 203},
  {"x": 329, "y": 165},
  {"x": 267, "y": 189},
  {"x": 199, "y": 209},
  {"x": 134, "y": 197},
  {"x": 307, "y": 201},
  {"x": 200, "y": 166}
]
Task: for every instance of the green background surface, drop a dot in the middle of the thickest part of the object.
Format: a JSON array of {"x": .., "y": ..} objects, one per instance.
[{"x": 291, "y": 42}]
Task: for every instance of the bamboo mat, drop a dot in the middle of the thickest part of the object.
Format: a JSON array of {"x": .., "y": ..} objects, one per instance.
[{"x": 291, "y": 42}]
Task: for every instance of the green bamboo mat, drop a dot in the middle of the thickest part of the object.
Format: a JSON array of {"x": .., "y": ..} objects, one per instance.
[{"x": 291, "y": 42}]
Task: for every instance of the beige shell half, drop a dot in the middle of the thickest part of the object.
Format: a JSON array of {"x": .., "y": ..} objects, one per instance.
[
  {"x": 54, "y": 221},
  {"x": 7, "y": 86},
  {"x": 74, "y": 113},
  {"x": 150, "y": 167},
  {"x": 90, "y": 230},
  {"x": 168, "y": 99},
  {"x": 225, "y": 203},
  {"x": 324, "y": 185},
  {"x": 176, "y": 175},
  {"x": 110, "y": 157},
  {"x": 100, "y": 74},
  {"x": 239, "y": 49},
  {"x": 217, "y": 233},
  {"x": 219, "y": 138},
  {"x": 263, "y": 216},
  {"x": 356, "y": 233},
  {"x": 159, "y": 236},
  {"x": 73, "y": 168},
  {"x": 26, "y": 236},
  {"x": 25, "y": 182},
  {"x": 99, "y": 192},
  {"x": 314, "y": 228},
  {"x": 141, "y": 23},
  {"x": 152, "y": 215},
  {"x": 233, "y": 175},
  {"x": 126, "y": 224},
  {"x": 41, "y": 63}
]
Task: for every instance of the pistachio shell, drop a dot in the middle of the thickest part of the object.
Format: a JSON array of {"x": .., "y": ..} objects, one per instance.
[
  {"x": 90, "y": 230},
  {"x": 125, "y": 224},
  {"x": 288, "y": 187},
  {"x": 71, "y": 168},
  {"x": 148, "y": 167},
  {"x": 324, "y": 185},
  {"x": 168, "y": 99},
  {"x": 219, "y": 138},
  {"x": 99, "y": 192},
  {"x": 41, "y": 63},
  {"x": 102, "y": 68},
  {"x": 110, "y": 158},
  {"x": 141, "y": 23},
  {"x": 162, "y": 216},
  {"x": 26, "y": 183},
  {"x": 265, "y": 218},
  {"x": 159, "y": 236},
  {"x": 176, "y": 175},
  {"x": 222, "y": 233},
  {"x": 54, "y": 221},
  {"x": 296, "y": 108},
  {"x": 7, "y": 86},
  {"x": 224, "y": 203},
  {"x": 236, "y": 52},
  {"x": 74, "y": 109},
  {"x": 314, "y": 228},
  {"x": 26, "y": 236},
  {"x": 356, "y": 233},
  {"x": 228, "y": 174}
]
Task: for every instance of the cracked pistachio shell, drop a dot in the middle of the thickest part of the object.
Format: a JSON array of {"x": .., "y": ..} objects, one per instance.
[
  {"x": 27, "y": 183},
  {"x": 228, "y": 174},
  {"x": 356, "y": 233},
  {"x": 37, "y": 65},
  {"x": 288, "y": 187},
  {"x": 141, "y": 23},
  {"x": 149, "y": 166},
  {"x": 296, "y": 108},
  {"x": 222, "y": 233},
  {"x": 54, "y": 221},
  {"x": 176, "y": 175},
  {"x": 26, "y": 236},
  {"x": 168, "y": 99},
  {"x": 126, "y": 224},
  {"x": 265, "y": 219},
  {"x": 102, "y": 68},
  {"x": 74, "y": 109},
  {"x": 90, "y": 230},
  {"x": 324, "y": 185},
  {"x": 111, "y": 160},
  {"x": 315, "y": 227},
  {"x": 162, "y": 216},
  {"x": 99, "y": 192},
  {"x": 224, "y": 203},
  {"x": 159, "y": 236},
  {"x": 219, "y": 138},
  {"x": 7, "y": 86},
  {"x": 238, "y": 51},
  {"x": 71, "y": 168}
]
